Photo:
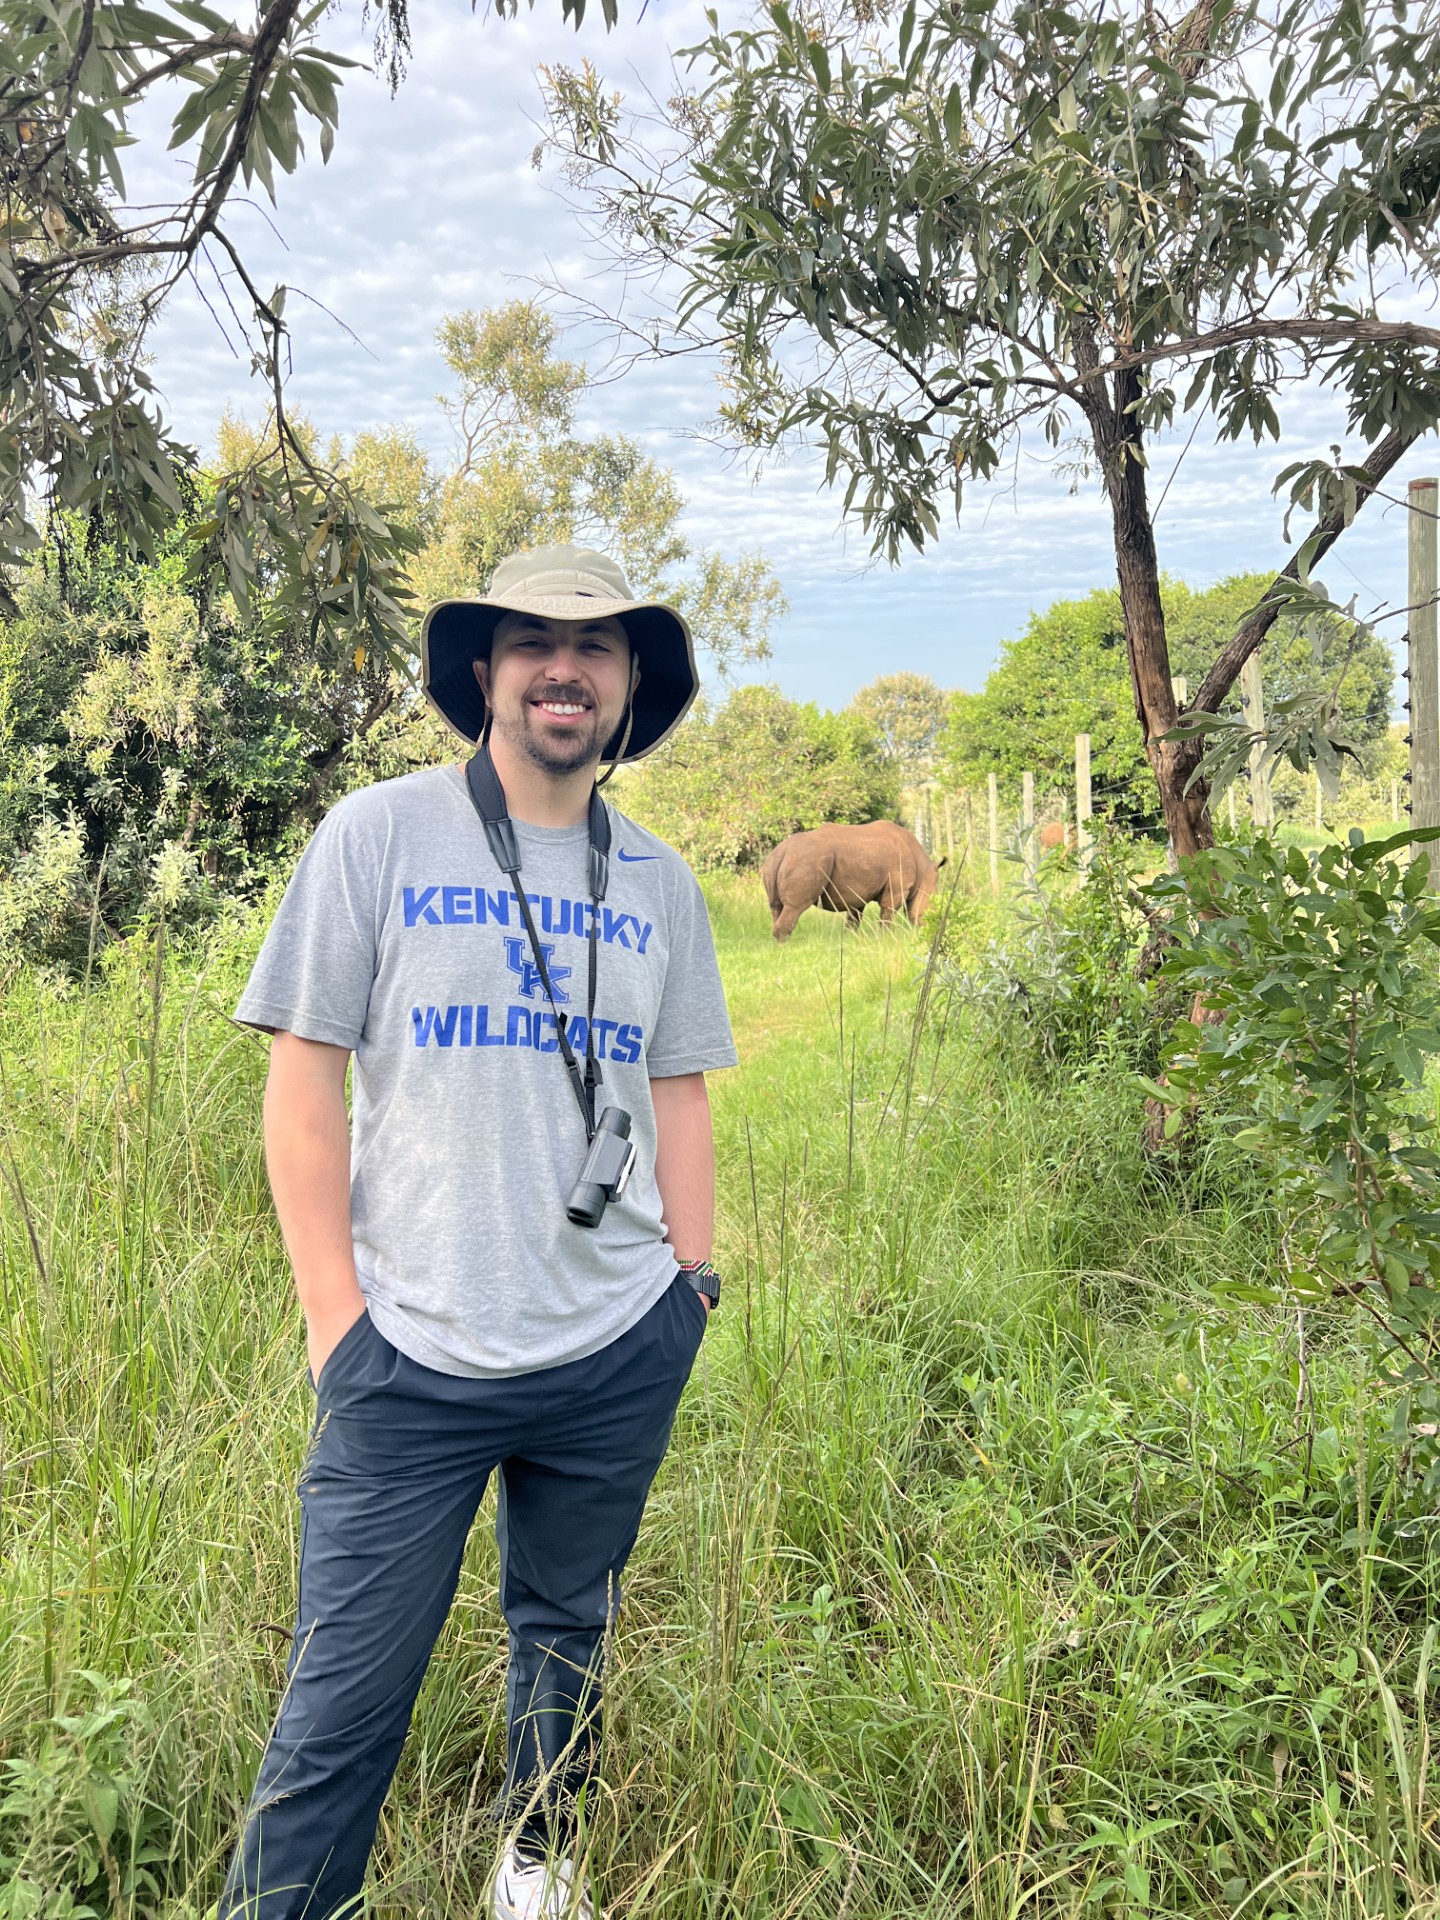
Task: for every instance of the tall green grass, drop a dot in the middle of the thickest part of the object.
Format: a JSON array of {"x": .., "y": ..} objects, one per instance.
[{"x": 989, "y": 1572}]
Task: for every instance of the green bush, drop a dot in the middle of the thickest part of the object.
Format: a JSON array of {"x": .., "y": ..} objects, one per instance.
[
  {"x": 84, "y": 1828},
  {"x": 156, "y": 750},
  {"x": 1319, "y": 971}
]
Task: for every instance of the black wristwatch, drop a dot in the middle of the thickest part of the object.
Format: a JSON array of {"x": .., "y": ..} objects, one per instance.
[{"x": 703, "y": 1278}]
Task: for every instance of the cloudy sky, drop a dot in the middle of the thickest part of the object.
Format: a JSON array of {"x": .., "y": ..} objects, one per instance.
[{"x": 431, "y": 204}]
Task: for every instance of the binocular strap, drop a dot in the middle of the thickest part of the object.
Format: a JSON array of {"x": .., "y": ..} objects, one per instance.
[{"x": 488, "y": 798}]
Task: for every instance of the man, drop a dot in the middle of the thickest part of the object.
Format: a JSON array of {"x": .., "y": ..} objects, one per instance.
[{"x": 496, "y": 996}]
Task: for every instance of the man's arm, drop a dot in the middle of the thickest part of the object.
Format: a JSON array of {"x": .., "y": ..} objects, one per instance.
[
  {"x": 685, "y": 1164},
  {"x": 307, "y": 1155}
]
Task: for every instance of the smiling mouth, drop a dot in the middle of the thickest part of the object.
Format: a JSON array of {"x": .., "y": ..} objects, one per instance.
[{"x": 561, "y": 709}]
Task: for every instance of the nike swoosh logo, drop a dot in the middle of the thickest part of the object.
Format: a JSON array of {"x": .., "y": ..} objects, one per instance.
[{"x": 637, "y": 856}]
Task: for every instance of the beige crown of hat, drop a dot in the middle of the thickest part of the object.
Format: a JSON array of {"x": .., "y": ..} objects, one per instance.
[{"x": 562, "y": 583}]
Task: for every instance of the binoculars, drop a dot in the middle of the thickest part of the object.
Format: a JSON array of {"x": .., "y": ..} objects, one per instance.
[{"x": 607, "y": 1169}]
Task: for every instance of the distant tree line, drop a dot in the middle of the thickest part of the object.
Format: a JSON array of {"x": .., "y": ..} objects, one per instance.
[
  {"x": 165, "y": 743},
  {"x": 1067, "y": 673}
]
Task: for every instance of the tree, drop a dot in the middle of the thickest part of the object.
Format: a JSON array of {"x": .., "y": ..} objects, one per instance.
[
  {"x": 906, "y": 711},
  {"x": 911, "y": 245},
  {"x": 1063, "y": 674},
  {"x": 83, "y": 278},
  {"x": 524, "y": 475},
  {"x": 740, "y": 777},
  {"x": 1304, "y": 652},
  {"x": 1066, "y": 673}
]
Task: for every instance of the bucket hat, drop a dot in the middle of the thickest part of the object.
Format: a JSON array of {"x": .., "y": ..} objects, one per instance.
[{"x": 561, "y": 583}]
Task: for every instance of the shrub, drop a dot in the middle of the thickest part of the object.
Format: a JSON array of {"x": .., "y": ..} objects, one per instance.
[
  {"x": 83, "y": 1828},
  {"x": 1320, "y": 971},
  {"x": 154, "y": 751},
  {"x": 1060, "y": 981}
]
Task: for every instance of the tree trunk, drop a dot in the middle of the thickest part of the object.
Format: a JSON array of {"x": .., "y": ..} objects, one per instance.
[{"x": 1118, "y": 441}]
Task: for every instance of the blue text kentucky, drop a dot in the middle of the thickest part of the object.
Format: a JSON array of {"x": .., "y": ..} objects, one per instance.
[{"x": 475, "y": 907}]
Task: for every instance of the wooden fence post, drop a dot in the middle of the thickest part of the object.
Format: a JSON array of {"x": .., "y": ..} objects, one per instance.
[
  {"x": 1084, "y": 840},
  {"x": 949, "y": 830},
  {"x": 1395, "y": 801},
  {"x": 1424, "y": 667},
  {"x": 1252, "y": 702},
  {"x": 994, "y": 836},
  {"x": 1027, "y": 823},
  {"x": 1180, "y": 690}
]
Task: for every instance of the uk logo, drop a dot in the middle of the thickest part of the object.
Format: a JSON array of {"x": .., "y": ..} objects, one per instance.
[{"x": 519, "y": 961}]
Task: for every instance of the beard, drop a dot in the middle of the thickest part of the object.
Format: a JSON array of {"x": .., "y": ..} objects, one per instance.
[{"x": 553, "y": 751}]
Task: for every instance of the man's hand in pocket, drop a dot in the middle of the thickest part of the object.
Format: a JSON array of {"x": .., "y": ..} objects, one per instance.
[{"x": 324, "y": 1331}]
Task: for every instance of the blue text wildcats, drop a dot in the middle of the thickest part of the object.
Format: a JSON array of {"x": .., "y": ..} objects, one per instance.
[
  {"x": 476, "y": 907},
  {"x": 483, "y": 1026}
]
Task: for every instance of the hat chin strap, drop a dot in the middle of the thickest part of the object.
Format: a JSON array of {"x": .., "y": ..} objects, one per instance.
[
  {"x": 629, "y": 723},
  {"x": 624, "y": 742}
]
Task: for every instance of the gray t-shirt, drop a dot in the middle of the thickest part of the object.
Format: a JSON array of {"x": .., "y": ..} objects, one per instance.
[{"x": 399, "y": 937}]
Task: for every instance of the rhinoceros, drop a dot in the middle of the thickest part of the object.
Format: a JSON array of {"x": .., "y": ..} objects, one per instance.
[{"x": 843, "y": 869}]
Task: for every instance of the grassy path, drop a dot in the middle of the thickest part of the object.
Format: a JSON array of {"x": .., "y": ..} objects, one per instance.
[
  {"x": 795, "y": 990},
  {"x": 985, "y": 1574}
]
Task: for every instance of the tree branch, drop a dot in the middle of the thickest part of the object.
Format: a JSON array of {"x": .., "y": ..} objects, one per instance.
[
  {"x": 1238, "y": 333},
  {"x": 1404, "y": 333},
  {"x": 1232, "y": 657},
  {"x": 269, "y": 43},
  {"x": 229, "y": 40},
  {"x": 323, "y": 762},
  {"x": 265, "y": 49},
  {"x": 938, "y": 402}
]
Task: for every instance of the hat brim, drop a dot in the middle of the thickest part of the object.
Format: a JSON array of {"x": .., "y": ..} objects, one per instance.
[{"x": 457, "y": 633}]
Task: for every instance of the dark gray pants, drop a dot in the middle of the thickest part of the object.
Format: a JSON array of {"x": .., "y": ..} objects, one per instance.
[{"x": 398, "y": 1464}]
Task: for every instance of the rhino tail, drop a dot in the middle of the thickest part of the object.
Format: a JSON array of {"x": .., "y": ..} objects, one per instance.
[{"x": 770, "y": 877}]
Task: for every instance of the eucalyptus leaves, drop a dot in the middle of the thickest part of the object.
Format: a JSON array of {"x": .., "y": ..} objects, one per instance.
[{"x": 84, "y": 274}]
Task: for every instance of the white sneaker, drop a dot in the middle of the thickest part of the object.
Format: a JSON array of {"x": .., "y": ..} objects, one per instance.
[{"x": 543, "y": 1891}]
